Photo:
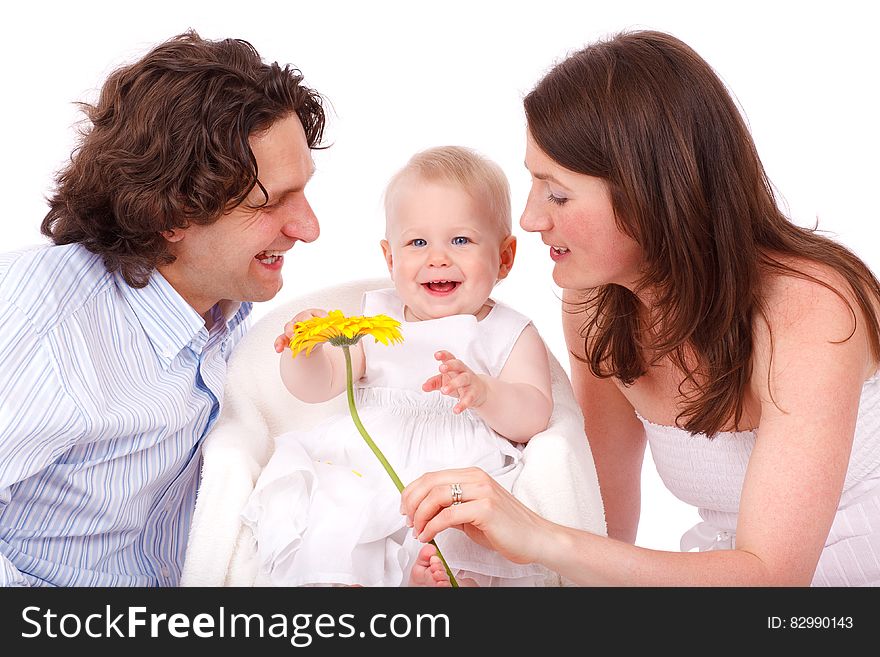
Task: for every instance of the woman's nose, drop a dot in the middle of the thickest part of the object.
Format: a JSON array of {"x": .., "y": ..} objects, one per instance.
[{"x": 534, "y": 218}]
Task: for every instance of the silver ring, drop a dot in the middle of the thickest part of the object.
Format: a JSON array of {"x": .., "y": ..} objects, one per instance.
[{"x": 456, "y": 493}]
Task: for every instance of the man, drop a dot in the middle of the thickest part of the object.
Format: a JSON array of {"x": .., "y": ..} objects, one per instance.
[{"x": 178, "y": 205}]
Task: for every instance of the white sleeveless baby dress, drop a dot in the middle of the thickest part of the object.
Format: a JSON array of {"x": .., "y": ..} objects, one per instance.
[
  {"x": 324, "y": 511},
  {"x": 709, "y": 474}
]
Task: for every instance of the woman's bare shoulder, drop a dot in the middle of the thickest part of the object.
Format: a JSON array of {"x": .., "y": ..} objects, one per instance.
[
  {"x": 801, "y": 277},
  {"x": 808, "y": 298}
]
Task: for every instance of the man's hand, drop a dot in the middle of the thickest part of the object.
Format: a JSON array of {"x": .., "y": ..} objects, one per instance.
[
  {"x": 283, "y": 340},
  {"x": 457, "y": 380}
]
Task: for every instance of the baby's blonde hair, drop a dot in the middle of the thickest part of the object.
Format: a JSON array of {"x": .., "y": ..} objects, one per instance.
[{"x": 479, "y": 176}]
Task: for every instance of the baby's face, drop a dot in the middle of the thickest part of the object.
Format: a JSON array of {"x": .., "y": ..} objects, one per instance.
[{"x": 444, "y": 252}]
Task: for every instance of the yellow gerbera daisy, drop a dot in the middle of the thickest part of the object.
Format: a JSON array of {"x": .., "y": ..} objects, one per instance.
[{"x": 339, "y": 330}]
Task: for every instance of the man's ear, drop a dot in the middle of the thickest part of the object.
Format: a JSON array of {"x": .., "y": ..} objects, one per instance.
[
  {"x": 508, "y": 255},
  {"x": 386, "y": 252},
  {"x": 174, "y": 235}
]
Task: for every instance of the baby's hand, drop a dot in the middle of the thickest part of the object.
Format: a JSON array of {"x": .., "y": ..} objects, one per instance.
[
  {"x": 457, "y": 380},
  {"x": 283, "y": 340}
]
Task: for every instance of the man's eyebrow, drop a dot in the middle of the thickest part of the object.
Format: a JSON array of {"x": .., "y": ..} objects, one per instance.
[{"x": 273, "y": 196}]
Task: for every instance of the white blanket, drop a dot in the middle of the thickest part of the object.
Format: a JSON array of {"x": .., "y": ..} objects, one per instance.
[{"x": 558, "y": 479}]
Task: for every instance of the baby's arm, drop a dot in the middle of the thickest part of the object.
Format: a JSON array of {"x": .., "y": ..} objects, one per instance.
[
  {"x": 320, "y": 375},
  {"x": 518, "y": 403}
]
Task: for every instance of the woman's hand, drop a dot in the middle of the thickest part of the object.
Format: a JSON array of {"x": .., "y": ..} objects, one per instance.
[
  {"x": 488, "y": 514},
  {"x": 457, "y": 380},
  {"x": 283, "y": 340}
]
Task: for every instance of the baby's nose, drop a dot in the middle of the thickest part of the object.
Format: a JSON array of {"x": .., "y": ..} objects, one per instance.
[{"x": 438, "y": 258}]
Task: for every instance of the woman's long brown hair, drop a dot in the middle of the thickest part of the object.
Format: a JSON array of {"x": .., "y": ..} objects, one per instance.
[{"x": 646, "y": 113}]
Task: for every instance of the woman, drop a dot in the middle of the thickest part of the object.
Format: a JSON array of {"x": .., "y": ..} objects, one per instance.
[{"x": 698, "y": 318}]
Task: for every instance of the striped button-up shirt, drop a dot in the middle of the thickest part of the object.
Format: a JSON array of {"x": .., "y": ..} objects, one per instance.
[{"x": 106, "y": 393}]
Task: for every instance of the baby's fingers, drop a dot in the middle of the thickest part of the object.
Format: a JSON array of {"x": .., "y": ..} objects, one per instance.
[
  {"x": 457, "y": 383},
  {"x": 434, "y": 383},
  {"x": 443, "y": 355},
  {"x": 281, "y": 343},
  {"x": 465, "y": 401},
  {"x": 454, "y": 367}
]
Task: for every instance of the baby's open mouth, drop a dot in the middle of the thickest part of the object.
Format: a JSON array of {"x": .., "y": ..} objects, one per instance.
[{"x": 441, "y": 286}]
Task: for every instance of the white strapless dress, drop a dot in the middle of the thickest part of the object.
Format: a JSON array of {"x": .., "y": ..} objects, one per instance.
[{"x": 709, "y": 474}]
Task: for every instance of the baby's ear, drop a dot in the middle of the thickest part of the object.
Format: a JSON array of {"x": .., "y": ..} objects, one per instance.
[
  {"x": 386, "y": 252},
  {"x": 507, "y": 256}
]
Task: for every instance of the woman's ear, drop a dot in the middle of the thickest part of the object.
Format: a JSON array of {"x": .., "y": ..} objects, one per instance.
[
  {"x": 507, "y": 256},
  {"x": 386, "y": 252}
]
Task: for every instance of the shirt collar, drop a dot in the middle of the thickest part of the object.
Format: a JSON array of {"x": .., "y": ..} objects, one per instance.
[
  {"x": 235, "y": 312},
  {"x": 169, "y": 322}
]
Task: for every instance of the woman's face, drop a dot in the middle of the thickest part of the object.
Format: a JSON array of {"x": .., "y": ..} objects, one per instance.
[{"x": 573, "y": 213}]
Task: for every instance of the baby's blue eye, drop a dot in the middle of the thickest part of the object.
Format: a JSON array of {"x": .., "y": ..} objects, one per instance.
[
  {"x": 419, "y": 242},
  {"x": 460, "y": 241}
]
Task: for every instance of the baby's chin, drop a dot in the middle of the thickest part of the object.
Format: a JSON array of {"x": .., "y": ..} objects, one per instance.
[{"x": 420, "y": 314}]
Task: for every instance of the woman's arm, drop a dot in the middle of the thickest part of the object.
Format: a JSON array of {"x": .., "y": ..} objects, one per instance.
[
  {"x": 792, "y": 486},
  {"x": 814, "y": 352},
  {"x": 320, "y": 375},
  {"x": 615, "y": 434}
]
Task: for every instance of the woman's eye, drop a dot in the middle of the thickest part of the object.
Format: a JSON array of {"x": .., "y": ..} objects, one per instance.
[
  {"x": 460, "y": 241},
  {"x": 558, "y": 200},
  {"x": 419, "y": 242}
]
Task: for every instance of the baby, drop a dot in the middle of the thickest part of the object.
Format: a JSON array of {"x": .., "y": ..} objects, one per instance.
[{"x": 324, "y": 512}]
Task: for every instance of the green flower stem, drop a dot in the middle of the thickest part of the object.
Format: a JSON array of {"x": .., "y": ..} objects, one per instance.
[{"x": 375, "y": 449}]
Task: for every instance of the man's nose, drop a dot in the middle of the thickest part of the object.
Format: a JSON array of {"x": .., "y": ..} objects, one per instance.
[{"x": 301, "y": 223}]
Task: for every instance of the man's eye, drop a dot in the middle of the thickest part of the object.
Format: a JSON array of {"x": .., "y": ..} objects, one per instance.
[
  {"x": 460, "y": 241},
  {"x": 419, "y": 242}
]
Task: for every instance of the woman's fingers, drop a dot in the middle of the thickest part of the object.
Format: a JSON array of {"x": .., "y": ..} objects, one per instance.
[
  {"x": 418, "y": 489},
  {"x": 486, "y": 512},
  {"x": 429, "y": 495}
]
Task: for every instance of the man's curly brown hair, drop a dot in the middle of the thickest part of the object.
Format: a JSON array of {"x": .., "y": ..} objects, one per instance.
[{"x": 167, "y": 146}]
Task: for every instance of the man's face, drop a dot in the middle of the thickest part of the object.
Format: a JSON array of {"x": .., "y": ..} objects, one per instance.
[{"x": 239, "y": 257}]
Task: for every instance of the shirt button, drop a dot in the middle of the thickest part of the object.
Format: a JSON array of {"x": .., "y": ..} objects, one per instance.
[{"x": 164, "y": 571}]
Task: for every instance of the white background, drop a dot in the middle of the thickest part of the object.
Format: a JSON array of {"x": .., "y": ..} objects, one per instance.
[{"x": 402, "y": 76}]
